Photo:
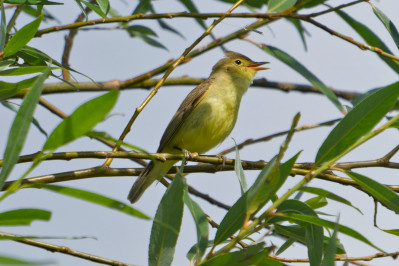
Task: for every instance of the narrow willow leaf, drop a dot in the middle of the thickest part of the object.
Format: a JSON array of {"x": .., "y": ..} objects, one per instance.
[
  {"x": 95, "y": 8},
  {"x": 301, "y": 30},
  {"x": 24, "y": 70},
  {"x": 301, "y": 69},
  {"x": 311, "y": 3},
  {"x": 35, "y": 122},
  {"x": 269, "y": 180},
  {"x": 358, "y": 122},
  {"x": 104, "y": 5},
  {"x": 20, "y": 127},
  {"x": 193, "y": 9},
  {"x": 201, "y": 223},
  {"x": 22, "y": 37},
  {"x": 6, "y": 260},
  {"x": 81, "y": 121},
  {"x": 240, "y": 172},
  {"x": 3, "y": 26},
  {"x": 391, "y": 231},
  {"x": 7, "y": 62},
  {"x": 240, "y": 211},
  {"x": 321, "y": 222},
  {"x": 384, "y": 194},
  {"x": 370, "y": 37},
  {"x": 8, "y": 90},
  {"x": 166, "y": 226},
  {"x": 41, "y": 59},
  {"x": 79, "y": 3},
  {"x": 284, "y": 246},
  {"x": 93, "y": 198},
  {"x": 313, "y": 233},
  {"x": 279, "y": 5},
  {"x": 387, "y": 23},
  {"x": 143, "y": 33},
  {"x": 317, "y": 202},
  {"x": 329, "y": 195},
  {"x": 32, "y": 2},
  {"x": 252, "y": 255},
  {"x": 23, "y": 217},
  {"x": 331, "y": 249}
]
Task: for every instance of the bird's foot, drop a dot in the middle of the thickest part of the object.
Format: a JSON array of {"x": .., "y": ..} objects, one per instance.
[{"x": 223, "y": 158}]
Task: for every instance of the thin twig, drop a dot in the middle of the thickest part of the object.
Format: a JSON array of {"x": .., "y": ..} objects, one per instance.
[
  {"x": 64, "y": 250},
  {"x": 394, "y": 255},
  {"x": 54, "y": 88},
  {"x": 278, "y": 134}
]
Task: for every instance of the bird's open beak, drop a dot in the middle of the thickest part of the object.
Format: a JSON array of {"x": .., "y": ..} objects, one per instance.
[{"x": 255, "y": 67}]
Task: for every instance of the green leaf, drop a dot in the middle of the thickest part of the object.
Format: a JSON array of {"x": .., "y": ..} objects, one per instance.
[
  {"x": 310, "y": 3},
  {"x": 7, "y": 62},
  {"x": 79, "y": 3},
  {"x": 35, "y": 122},
  {"x": 264, "y": 188},
  {"x": 370, "y": 37},
  {"x": 32, "y": 2},
  {"x": 201, "y": 224},
  {"x": 3, "y": 27},
  {"x": 313, "y": 233},
  {"x": 329, "y": 195},
  {"x": 240, "y": 211},
  {"x": 384, "y": 194},
  {"x": 240, "y": 172},
  {"x": 252, "y": 255},
  {"x": 143, "y": 7},
  {"x": 6, "y": 260},
  {"x": 358, "y": 122},
  {"x": 301, "y": 69},
  {"x": 81, "y": 121},
  {"x": 284, "y": 246},
  {"x": 387, "y": 23},
  {"x": 104, "y": 5},
  {"x": 166, "y": 226},
  {"x": 8, "y": 90},
  {"x": 279, "y": 5},
  {"x": 23, "y": 217},
  {"x": 331, "y": 249},
  {"x": 143, "y": 33},
  {"x": 22, "y": 37},
  {"x": 37, "y": 57},
  {"x": 301, "y": 30},
  {"x": 193, "y": 9},
  {"x": 317, "y": 202},
  {"x": 321, "y": 222},
  {"x": 20, "y": 127},
  {"x": 391, "y": 231},
  {"x": 24, "y": 70},
  {"x": 93, "y": 198},
  {"x": 95, "y": 8}
]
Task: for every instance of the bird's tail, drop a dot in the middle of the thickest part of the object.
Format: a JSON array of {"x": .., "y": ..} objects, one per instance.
[{"x": 151, "y": 173}]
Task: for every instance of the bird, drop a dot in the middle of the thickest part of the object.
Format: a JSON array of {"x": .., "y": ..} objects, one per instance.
[{"x": 205, "y": 117}]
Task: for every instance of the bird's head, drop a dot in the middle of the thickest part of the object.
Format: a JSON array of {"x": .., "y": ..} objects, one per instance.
[{"x": 238, "y": 66}]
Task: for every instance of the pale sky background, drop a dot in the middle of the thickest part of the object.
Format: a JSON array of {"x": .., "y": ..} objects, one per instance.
[{"x": 106, "y": 55}]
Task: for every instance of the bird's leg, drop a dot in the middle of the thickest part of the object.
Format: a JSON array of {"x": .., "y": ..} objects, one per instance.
[
  {"x": 224, "y": 158},
  {"x": 187, "y": 155}
]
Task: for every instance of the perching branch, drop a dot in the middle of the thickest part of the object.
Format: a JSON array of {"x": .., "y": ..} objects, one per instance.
[{"x": 64, "y": 250}]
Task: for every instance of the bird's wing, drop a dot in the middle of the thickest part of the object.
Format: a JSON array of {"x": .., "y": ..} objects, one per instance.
[{"x": 192, "y": 99}]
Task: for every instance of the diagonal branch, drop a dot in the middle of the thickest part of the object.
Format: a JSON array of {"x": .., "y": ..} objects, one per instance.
[{"x": 64, "y": 250}]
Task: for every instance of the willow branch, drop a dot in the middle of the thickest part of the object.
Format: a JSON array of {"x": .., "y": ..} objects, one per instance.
[
  {"x": 55, "y": 88},
  {"x": 278, "y": 134},
  {"x": 211, "y": 165},
  {"x": 64, "y": 250},
  {"x": 269, "y": 16},
  {"x": 69, "y": 43},
  {"x": 394, "y": 255}
]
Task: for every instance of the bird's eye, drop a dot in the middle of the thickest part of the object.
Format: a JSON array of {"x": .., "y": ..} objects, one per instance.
[{"x": 238, "y": 62}]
